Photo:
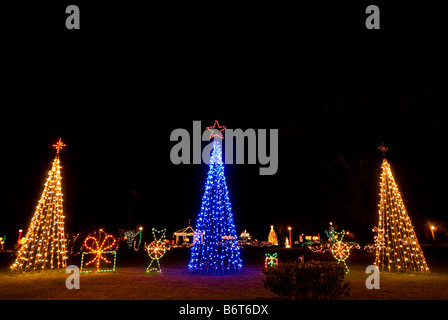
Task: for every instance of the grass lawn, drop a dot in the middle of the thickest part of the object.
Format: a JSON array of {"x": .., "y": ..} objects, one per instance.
[{"x": 130, "y": 282}]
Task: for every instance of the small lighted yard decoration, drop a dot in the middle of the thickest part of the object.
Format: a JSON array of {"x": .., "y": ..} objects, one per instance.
[
  {"x": 271, "y": 260},
  {"x": 100, "y": 245},
  {"x": 156, "y": 250},
  {"x": 339, "y": 249},
  {"x": 396, "y": 244}
]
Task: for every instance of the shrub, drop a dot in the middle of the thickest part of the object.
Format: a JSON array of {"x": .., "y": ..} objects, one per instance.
[{"x": 310, "y": 280}]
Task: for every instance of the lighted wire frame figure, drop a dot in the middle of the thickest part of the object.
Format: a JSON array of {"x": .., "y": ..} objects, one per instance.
[
  {"x": 130, "y": 235},
  {"x": 339, "y": 249},
  {"x": 217, "y": 250}
]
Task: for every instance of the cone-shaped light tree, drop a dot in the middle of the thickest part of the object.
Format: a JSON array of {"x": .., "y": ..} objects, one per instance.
[
  {"x": 215, "y": 249},
  {"x": 45, "y": 246},
  {"x": 397, "y": 247}
]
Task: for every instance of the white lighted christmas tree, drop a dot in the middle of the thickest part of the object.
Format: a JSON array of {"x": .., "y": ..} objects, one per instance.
[
  {"x": 397, "y": 247},
  {"x": 44, "y": 246}
]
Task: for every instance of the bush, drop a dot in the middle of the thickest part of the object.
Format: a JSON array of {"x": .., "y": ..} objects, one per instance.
[{"x": 312, "y": 280}]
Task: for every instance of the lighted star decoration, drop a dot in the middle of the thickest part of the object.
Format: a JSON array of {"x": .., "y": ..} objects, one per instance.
[
  {"x": 59, "y": 145},
  {"x": 99, "y": 247},
  {"x": 383, "y": 149},
  {"x": 339, "y": 249},
  {"x": 216, "y": 130}
]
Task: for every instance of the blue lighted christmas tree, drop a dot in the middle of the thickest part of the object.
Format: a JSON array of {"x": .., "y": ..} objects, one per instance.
[{"x": 215, "y": 249}]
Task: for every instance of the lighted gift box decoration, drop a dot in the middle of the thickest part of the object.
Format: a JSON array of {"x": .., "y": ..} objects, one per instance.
[
  {"x": 100, "y": 247},
  {"x": 271, "y": 260}
]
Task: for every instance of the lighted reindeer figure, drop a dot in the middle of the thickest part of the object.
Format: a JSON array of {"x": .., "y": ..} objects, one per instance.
[
  {"x": 156, "y": 250},
  {"x": 339, "y": 249}
]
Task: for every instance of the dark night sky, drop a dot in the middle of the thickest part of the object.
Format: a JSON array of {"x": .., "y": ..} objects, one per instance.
[
  {"x": 115, "y": 93},
  {"x": 328, "y": 165}
]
